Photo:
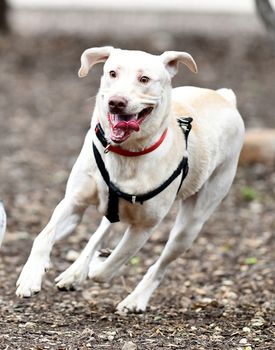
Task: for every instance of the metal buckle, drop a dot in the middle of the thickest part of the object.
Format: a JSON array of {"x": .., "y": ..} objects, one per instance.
[
  {"x": 107, "y": 148},
  {"x": 134, "y": 199}
]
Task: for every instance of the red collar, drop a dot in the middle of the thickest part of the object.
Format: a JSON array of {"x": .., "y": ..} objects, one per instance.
[{"x": 124, "y": 152}]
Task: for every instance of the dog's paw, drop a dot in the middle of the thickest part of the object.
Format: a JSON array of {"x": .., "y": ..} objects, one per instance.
[
  {"x": 97, "y": 272},
  {"x": 96, "y": 276},
  {"x": 131, "y": 304},
  {"x": 72, "y": 277},
  {"x": 30, "y": 279}
]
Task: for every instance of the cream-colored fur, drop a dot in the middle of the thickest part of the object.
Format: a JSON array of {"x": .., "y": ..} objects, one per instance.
[{"x": 214, "y": 146}]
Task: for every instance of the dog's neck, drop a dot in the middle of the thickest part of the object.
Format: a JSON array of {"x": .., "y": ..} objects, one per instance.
[{"x": 122, "y": 151}]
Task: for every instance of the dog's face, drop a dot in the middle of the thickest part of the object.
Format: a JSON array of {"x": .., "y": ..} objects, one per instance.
[
  {"x": 134, "y": 95},
  {"x": 132, "y": 92}
]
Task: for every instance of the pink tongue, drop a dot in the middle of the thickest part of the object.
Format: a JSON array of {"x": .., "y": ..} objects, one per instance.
[{"x": 131, "y": 125}]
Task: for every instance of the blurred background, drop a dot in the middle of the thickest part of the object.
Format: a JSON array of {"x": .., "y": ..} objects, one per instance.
[
  {"x": 45, "y": 111},
  {"x": 45, "y": 108}
]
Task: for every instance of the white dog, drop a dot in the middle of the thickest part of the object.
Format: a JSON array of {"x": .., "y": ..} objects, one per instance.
[{"x": 134, "y": 165}]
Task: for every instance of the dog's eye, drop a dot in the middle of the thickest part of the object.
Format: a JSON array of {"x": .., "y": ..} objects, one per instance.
[
  {"x": 112, "y": 74},
  {"x": 144, "y": 79}
]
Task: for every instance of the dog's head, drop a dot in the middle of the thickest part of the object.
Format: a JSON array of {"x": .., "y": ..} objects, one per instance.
[{"x": 134, "y": 96}]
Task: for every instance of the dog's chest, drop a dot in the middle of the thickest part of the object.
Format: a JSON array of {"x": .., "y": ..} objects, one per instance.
[
  {"x": 147, "y": 214},
  {"x": 136, "y": 213},
  {"x": 141, "y": 190}
]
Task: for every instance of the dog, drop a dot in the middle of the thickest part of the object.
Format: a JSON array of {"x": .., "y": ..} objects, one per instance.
[{"x": 148, "y": 146}]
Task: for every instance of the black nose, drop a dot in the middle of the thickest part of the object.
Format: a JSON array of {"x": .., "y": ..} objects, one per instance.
[{"x": 117, "y": 104}]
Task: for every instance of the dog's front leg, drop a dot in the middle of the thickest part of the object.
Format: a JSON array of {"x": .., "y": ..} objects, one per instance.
[
  {"x": 78, "y": 271},
  {"x": 64, "y": 219},
  {"x": 80, "y": 191},
  {"x": 131, "y": 242}
]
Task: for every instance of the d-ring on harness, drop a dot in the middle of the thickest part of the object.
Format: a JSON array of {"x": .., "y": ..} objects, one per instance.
[{"x": 114, "y": 192}]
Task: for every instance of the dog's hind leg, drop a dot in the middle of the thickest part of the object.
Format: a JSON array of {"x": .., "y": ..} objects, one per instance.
[
  {"x": 78, "y": 271},
  {"x": 80, "y": 192},
  {"x": 192, "y": 215}
]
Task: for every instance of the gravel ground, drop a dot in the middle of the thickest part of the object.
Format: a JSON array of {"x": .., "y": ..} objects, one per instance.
[{"x": 220, "y": 295}]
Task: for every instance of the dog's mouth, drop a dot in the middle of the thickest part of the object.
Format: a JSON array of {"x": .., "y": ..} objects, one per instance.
[{"x": 122, "y": 125}]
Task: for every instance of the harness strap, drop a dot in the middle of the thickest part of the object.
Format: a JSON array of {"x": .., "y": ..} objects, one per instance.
[
  {"x": 186, "y": 126},
  {"x": 115, "y": 193},
  {"x": 101, "y": 135}
]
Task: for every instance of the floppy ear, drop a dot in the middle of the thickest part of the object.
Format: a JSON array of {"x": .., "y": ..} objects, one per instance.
[
  {"x": 91, "y": 57},
  {"x": 171, "y": 60}
]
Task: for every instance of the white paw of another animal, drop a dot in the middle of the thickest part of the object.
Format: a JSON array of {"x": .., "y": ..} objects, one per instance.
[
  {"x": 131, "y": 304},
  {"x": 3, "y": 222},
  {"x": 73, "y": 276},
  {"x": 30, "y": 279}
]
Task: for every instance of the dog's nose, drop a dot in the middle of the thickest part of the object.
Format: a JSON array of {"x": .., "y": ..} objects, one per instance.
[{"x": 117, "y": 104}]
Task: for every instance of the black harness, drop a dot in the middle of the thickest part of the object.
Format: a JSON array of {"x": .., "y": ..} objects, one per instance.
[{"x": 115, "y": 193}]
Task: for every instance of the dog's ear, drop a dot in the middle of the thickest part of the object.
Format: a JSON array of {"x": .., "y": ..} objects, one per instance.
[
  {"x": 93, "y": 56},
  {"x": 171, "y": 60}
]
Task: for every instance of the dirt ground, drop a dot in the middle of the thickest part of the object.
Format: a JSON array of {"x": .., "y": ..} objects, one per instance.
[{"x": 220, "y": 295}]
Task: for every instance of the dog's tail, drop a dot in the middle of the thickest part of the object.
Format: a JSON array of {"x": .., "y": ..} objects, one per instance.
[{"x": 229, "y": 95}]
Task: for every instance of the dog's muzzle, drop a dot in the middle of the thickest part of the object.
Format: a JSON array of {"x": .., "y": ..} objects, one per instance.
[{"x": 123, "y": 124}]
